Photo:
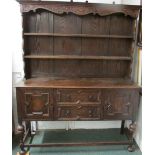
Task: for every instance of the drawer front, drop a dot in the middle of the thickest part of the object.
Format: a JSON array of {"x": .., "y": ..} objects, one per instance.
[
  {"x": 78, "y": 96},
  {"x": 77, "y": 104},
  {"x": 77, "y": 112},
  {"x": 36, "y": 103},
  {"x": 119, "y": 104}
]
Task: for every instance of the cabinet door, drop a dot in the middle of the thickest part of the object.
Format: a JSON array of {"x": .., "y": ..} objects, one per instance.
[
  {"x": 35, "y": 103},
  {"x": 119, "y": 103}
]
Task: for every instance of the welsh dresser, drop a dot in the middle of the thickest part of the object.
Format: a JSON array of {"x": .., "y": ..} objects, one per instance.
[{"x": 78, "y": 63}]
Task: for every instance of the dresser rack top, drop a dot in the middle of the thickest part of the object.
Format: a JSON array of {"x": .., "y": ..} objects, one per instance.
[{"x": 70, "y": 48}]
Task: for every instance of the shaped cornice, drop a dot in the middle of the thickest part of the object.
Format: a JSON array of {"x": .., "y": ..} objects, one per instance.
[{"x": 80, "y": 8}]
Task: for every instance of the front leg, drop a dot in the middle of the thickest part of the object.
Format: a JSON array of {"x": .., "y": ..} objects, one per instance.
[
  {"x": 28, "y": 127},
  {"x": 122, "y": 127},
  {"x": 132, "y": 128},
  {"x": 20, "y": 130}
]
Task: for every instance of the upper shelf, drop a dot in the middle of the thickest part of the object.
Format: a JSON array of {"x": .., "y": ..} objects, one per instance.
[
  {"x": 79, "y": 35},
  {"x": 77, "y": 57},
  {"x": 80, "y": 8}
]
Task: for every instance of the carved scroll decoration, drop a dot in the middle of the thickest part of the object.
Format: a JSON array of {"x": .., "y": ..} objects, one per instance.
[{"x": 82, "y": 9}]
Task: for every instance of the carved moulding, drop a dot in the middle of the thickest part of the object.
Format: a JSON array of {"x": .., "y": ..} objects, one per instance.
[{"x": 81, "y": 8}]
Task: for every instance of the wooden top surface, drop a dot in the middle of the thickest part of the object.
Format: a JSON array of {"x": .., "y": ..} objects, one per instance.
[{"x": 77, "y": 83}]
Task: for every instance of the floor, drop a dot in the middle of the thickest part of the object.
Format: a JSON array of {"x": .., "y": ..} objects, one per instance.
[{"x": 76, "y": 136}]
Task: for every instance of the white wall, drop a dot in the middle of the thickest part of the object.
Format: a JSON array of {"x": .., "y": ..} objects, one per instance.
[
  {"x": 17, "y": 62},
  {"x": 131, "y": 2},
  {"x": 94, "y": 1},
  {"x": 18, "y": 74}
]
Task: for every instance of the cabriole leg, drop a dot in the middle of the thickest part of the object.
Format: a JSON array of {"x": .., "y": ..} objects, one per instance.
[{"x": 132, "y": 128}]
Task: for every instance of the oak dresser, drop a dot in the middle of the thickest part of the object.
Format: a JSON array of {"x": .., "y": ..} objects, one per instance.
[{"x": 78, "y": 62}]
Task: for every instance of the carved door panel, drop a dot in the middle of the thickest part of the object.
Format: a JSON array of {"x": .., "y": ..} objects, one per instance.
[
  {"x": 118, "y": 104},
  {"x": 37, "y": 104}
]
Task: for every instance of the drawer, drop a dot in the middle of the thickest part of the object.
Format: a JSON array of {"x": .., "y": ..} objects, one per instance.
[
  {"x": 77, "y": 95},
  {"x": 35, "y": 103},
  {"x": 77, "y": 112}
]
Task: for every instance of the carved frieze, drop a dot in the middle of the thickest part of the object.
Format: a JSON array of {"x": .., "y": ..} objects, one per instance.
[{"x": 80, "y": 8}]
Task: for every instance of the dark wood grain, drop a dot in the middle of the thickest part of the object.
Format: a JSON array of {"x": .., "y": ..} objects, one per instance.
[
  {"x": 78, "y": 65},
  {"x": 118, "y": 103},
  {"x": 60, "y": 82},
  {"x": 36, "y": 103},
  {"x": 79, "y": 8},
  {"x": 84, "y": 38},
  {"x": 77, "y": 68},
  {"x": 78, "y": 104}
]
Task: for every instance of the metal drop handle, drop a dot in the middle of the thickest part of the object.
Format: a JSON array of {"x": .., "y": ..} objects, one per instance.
[
  {"x": 67, "y": 112},
  {"x": 37, "y": 113}
]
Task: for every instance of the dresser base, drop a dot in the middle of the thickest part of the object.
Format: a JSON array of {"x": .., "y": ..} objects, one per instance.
[{"x": 77, "y": 100}]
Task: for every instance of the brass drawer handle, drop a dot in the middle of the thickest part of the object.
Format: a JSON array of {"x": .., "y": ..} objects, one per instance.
[
  {"x": 68, "y": 96},
  {"x": 79, "y": 107},
  {"x": 128, "y": 103},
  {"x": 90, "y": 97},
  {"x": 77, "y": 102},
  {"x": 37, "y": 113},
  {"x": 67, "y": 112},
  {"x": 77, "y": 117},
  {"x": 90, "y": 113},
  {"x": 79, "y": 91}
]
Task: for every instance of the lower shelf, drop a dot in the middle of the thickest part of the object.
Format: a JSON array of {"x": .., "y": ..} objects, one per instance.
[
  {"x": 92, "y": 138},
  {"x": 78, "y": 137}
]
